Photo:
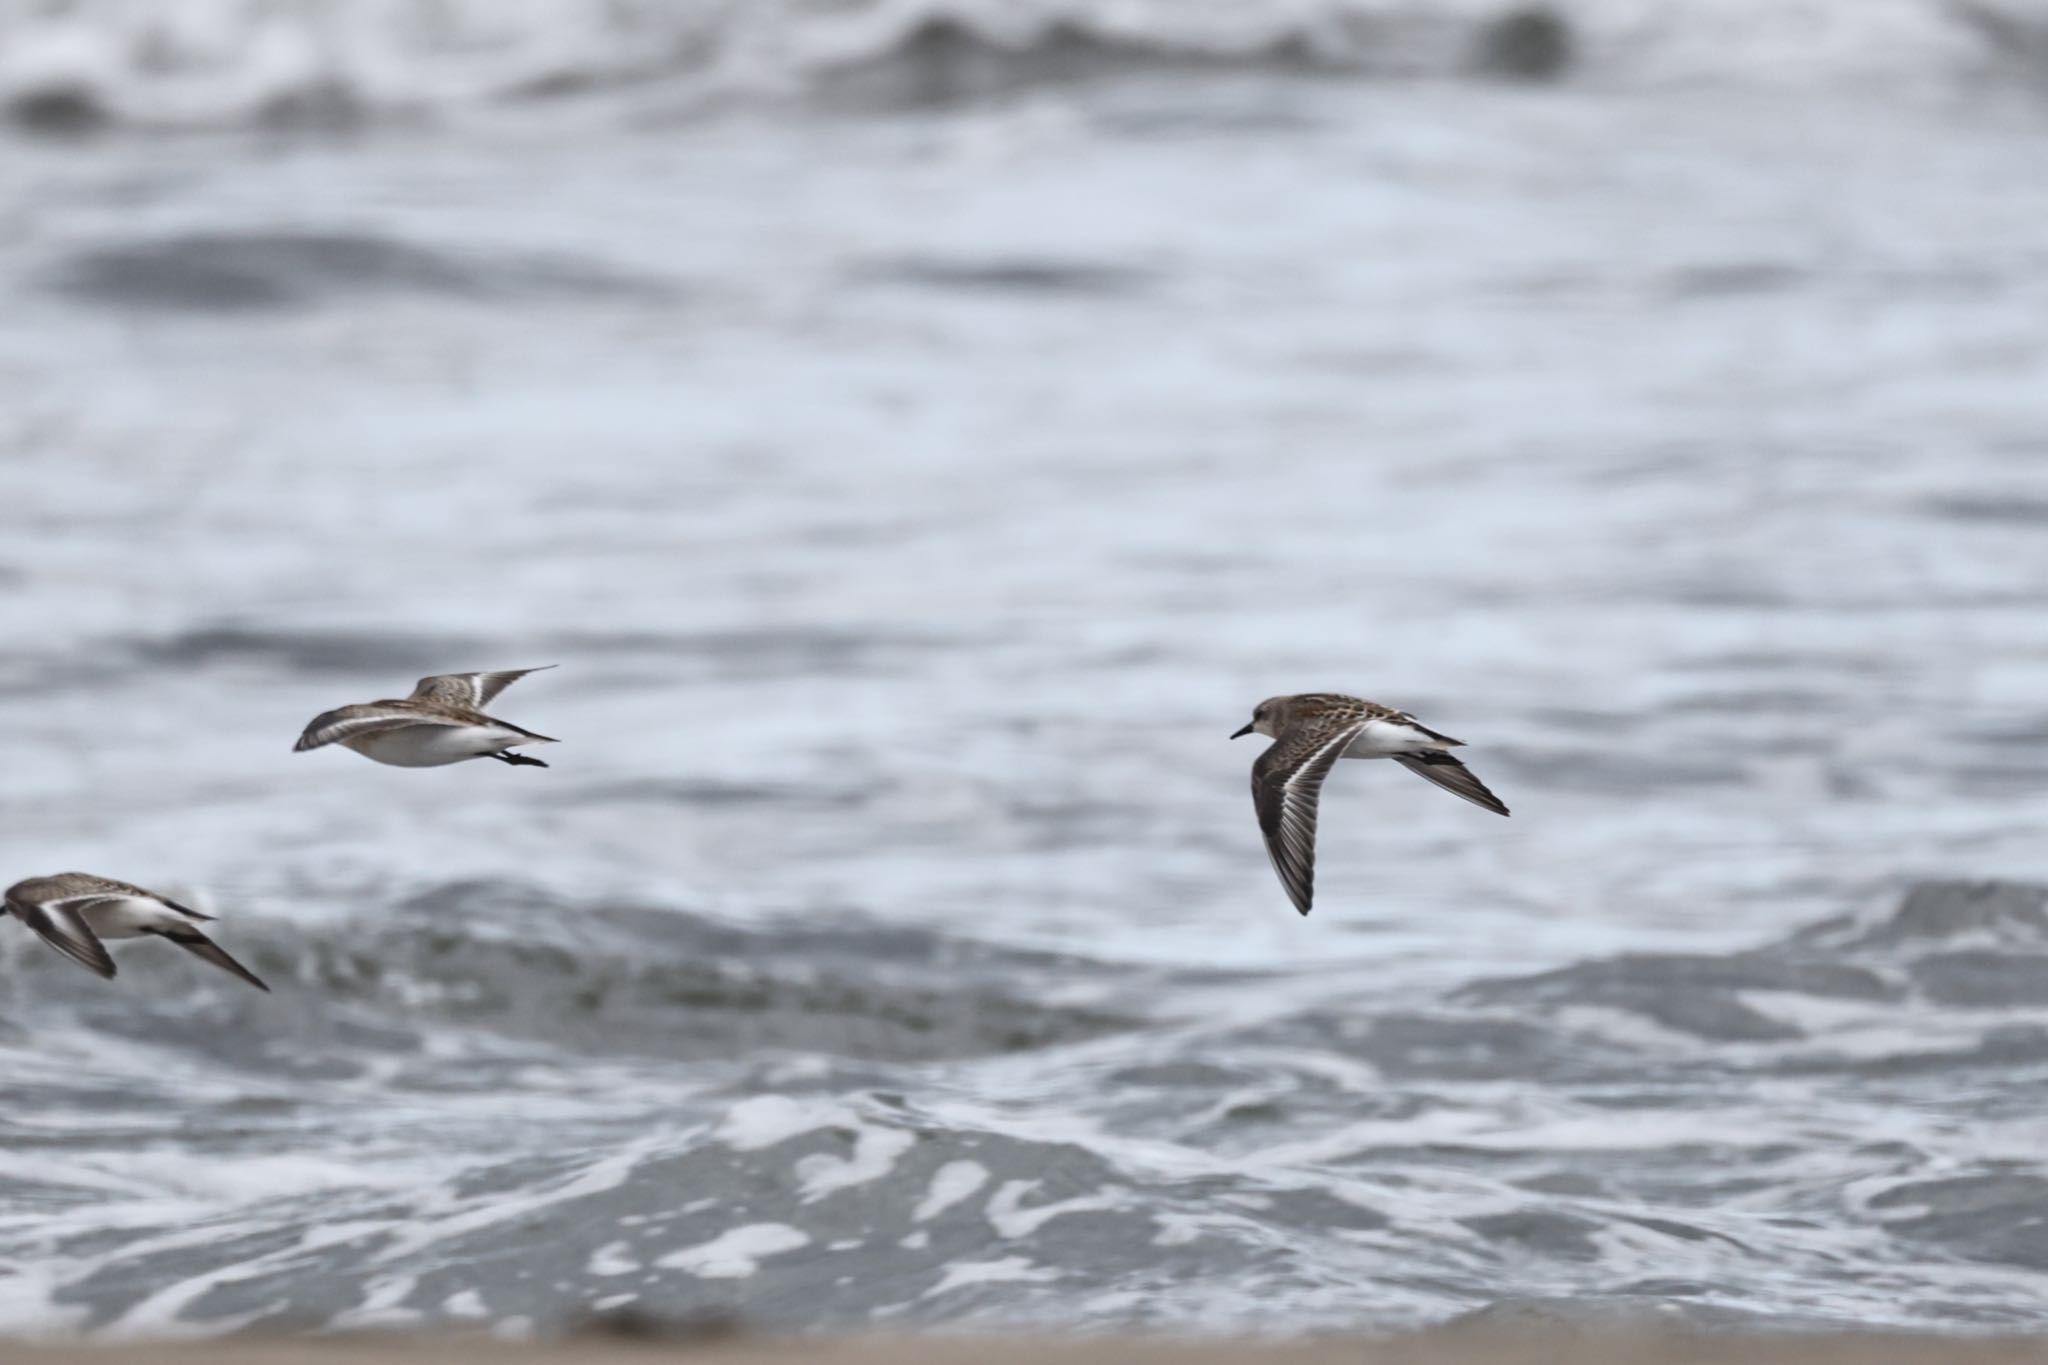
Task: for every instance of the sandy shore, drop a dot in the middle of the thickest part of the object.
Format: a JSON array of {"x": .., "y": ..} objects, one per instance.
[{"x": 1432, "y": 1348}]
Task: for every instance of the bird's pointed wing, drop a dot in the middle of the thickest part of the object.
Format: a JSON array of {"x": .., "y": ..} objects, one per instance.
[
  {"x": 206, "y": 950},
  {"x": 59, "y": 924},
  {"x": 1454, "y": 777},
  {"x": 1286, "y": 781},
  {"x": 470, "y": 691},
  {"x": 353, "y": 722}
]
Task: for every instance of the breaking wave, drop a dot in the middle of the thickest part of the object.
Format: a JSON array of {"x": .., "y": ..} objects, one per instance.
[
  {"x": 487, "y": 1103},
  {"x": 308, "y": 64},
  {"x": 508, "y": 961}
]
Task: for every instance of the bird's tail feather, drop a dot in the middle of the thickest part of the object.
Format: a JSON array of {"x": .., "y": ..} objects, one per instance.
[{"x": 529, "y": 736}]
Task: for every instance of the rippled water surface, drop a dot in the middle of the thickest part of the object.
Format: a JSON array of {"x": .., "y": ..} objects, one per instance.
[{"x": 915, "y": 493}]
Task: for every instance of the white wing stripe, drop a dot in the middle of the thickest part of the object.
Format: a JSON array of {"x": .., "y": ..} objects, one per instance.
[{"x": 1292, "y": 844}]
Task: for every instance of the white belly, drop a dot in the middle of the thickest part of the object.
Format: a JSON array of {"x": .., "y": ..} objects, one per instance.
[
  {"x": 432, "y": 746},
  {"x": 1386, "y": 738},
  {"x": 130, "y": 917}
]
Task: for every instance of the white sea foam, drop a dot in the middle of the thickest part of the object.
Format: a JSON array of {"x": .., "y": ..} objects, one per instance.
[
  {"x": 951, "y": 1183},
  {"x": 767, "y": 1120},
  {"x": 466, "y": 1303},
  {"x": 612, "y": 1259},
  {"x": 1007, "y": 1212},
  {"x": 383, "y": 1304},
  {"x": 738, "y": 1253},
  {"x": 1005, "y": 1270},
  {"x": 874, "y": 1155}
]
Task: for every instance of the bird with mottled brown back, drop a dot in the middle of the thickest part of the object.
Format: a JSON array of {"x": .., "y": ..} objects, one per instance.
[
  {"x": 1311, "y": 731},
  {"x": 442, "y": 722}
]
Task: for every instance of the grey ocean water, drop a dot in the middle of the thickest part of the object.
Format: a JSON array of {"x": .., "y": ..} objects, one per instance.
[{"x": 920, "y": 434}]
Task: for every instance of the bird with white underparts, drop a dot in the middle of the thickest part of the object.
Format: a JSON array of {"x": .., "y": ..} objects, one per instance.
[
  {"x": 442, "y": 722},
  {"x": 1311, "y": 731},
  {"x": 74, "y": 912}
]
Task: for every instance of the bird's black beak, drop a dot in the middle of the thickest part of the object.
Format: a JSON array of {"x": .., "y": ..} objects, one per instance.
[{"x": 1242, "y": 733}]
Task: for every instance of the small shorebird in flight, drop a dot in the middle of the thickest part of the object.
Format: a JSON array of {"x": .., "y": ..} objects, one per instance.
[
  {"x": 1311, "y": 732},
  {"x": 442, "y": 722},
  {"x": 73, "y": 911}
]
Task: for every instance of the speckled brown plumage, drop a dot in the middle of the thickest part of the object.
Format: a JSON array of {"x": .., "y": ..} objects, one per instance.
[{"x": 1311, "y": 731}]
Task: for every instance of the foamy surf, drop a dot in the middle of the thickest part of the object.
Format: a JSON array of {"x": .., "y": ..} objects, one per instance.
[{"x": 1866, "y": 1158}]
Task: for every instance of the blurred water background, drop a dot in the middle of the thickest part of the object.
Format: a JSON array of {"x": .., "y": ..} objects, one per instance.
[{"x": 920, "y": 432}]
